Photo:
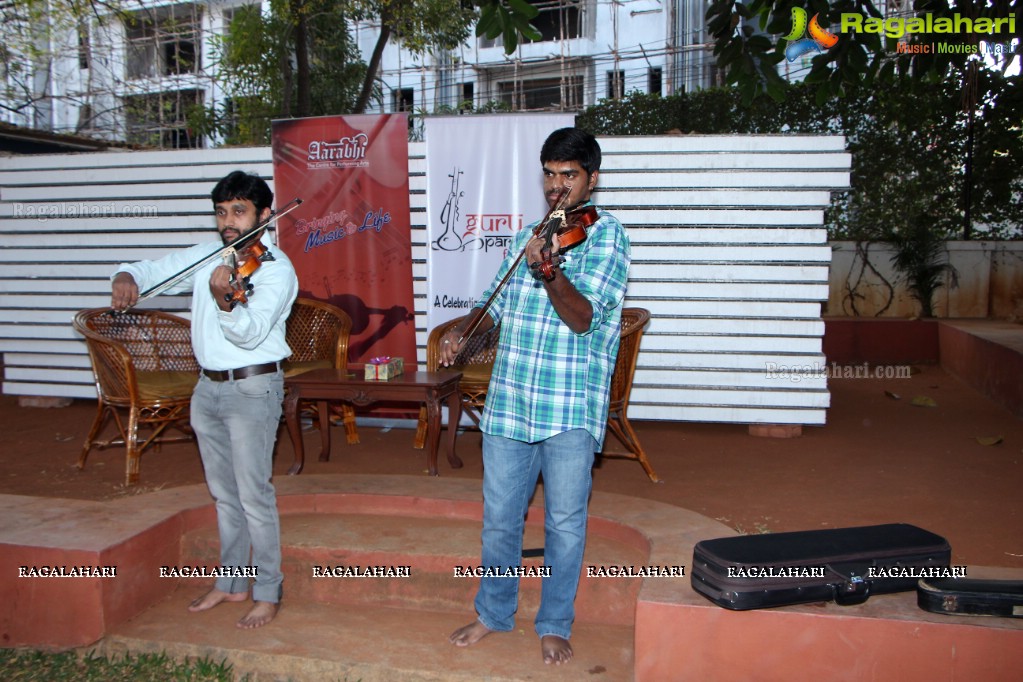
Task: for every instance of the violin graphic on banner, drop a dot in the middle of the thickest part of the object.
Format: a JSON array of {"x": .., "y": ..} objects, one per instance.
[
  {"x": 449, "y": 240},
  {"x": 482, "y": 231}
]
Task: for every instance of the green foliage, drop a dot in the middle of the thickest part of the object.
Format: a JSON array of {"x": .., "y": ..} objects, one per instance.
[
  {"x": 510, "y": 21},
  {"x": 424, "y": 25},
  {"x": 255, "y": 65},
  {"x": 750, "y": 57},
  {"x": 908, "y": 147},
  {"x": 921, "y": 258},
  {"x": 37, "y": 666},
  {"x": 998, "y": 154},
  {"x": 706, "y": 112}
]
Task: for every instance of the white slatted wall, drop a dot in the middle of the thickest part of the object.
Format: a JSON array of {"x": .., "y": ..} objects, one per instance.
[
  {"x": 731, "y": 258},
  {"x": 729, "y": 255}
]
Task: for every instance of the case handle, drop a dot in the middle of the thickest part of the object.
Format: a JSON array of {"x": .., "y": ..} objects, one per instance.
[{"x": 856, "y": 589}]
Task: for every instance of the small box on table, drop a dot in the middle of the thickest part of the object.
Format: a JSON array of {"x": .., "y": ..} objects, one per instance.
[{"x": 382, "y": 369}]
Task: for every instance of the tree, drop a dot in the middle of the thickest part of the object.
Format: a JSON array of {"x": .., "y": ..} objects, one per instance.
[
  {"x": 425, "y": 25},
  {"x": 94, "y": 67},
  {"x": 37, "y": 37},
  {"x": 861, "y": 58},
  {"x": 750, "y": 56},
  {"x": 298, "y": 59},
  {"x": 421, "y": 25}
]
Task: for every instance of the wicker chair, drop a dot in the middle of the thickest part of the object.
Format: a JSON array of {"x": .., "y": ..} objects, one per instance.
[
  {"x": 475, "y": 362},
  {"x": 144, "y": 369},
  {"x": 634, "y": 321},
  {"x": 318, "y": 334}
]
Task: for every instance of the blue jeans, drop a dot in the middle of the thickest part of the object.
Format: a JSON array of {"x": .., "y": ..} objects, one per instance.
[
  {"x": 235, "y": 423},
  {"x": 510, "y": 470}
]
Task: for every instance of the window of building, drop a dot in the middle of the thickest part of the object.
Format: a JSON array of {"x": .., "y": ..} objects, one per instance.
[
  {"x": 654, "y": 80},
  {"x": 161, "y": 119},
  {"x": 557, "y": 20},
  {"x": 615, "y": 84},
  {"x": 85, "y": 116},
  {"x": 468, "y": 92},
  {"x": 84, "y": 48},
  {"x": 404, "y": 99},
  {"x": 231, "y": 120},
  {"x": 542, "y": 93},
  {"x": 164, "y": 41}
]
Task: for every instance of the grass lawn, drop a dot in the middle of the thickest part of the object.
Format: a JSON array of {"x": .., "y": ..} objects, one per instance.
[{"x": 18, "y": 665}]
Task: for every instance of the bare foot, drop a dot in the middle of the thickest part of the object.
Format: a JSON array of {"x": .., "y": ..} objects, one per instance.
[
  {"x": 469, "y": 634},
  {"x": 262, "y": 612},
  {"x": 214, "y": 597},
  {"x": 555, "y": 649}
]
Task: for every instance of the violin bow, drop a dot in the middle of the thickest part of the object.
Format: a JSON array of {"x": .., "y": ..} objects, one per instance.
[{"x": 233, "y": 245}]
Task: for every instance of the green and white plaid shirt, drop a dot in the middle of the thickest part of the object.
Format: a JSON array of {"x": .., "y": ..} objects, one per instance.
[{"x": 547, "y": 379}]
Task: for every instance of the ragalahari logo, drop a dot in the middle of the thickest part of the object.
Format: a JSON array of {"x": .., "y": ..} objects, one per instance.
[{"x": 819, "y": 39}]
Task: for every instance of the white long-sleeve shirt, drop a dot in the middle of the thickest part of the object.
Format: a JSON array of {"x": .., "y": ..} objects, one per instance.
[{"x": 251, "y": 334}]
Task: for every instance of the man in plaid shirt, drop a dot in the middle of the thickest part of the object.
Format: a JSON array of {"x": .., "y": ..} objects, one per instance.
[{"x": 546, "y": 408}]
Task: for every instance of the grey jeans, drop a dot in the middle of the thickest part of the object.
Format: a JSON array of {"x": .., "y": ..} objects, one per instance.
[{"x": 236, "y": 424}]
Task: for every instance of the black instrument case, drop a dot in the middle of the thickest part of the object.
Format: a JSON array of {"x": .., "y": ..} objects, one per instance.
[
  {"x": 845, "y": 565},
  {"x": 971, "y": 596}
]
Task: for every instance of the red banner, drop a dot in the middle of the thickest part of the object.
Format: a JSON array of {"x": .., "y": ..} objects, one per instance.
[{"x": 350, "y": 240}]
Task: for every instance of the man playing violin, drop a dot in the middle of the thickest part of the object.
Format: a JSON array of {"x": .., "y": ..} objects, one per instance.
[
  {"x": 546, "y": 407},
  {"x": 236, "y": 405}
]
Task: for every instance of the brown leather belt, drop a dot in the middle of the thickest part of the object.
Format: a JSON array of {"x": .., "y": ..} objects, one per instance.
[{"x": 241, "y": 372}]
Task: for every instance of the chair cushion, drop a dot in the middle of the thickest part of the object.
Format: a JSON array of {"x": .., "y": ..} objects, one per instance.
[
  {"x": 165, "y": 384},
  {"x": 474, "y": 374},
  {"x": 293, "y": 368}
]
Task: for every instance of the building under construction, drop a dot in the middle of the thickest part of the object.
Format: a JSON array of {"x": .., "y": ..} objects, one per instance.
[{"x": 140, "y": 72}]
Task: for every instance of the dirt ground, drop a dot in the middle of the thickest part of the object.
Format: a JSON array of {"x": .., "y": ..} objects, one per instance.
[{"x": 953, "y": 468}]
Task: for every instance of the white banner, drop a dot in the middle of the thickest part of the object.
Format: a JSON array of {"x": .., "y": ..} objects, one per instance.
[{"x": 484, "y": 184}]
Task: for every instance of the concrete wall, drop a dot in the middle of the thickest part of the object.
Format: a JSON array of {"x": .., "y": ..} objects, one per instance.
[{"x": 989, "y": 282}]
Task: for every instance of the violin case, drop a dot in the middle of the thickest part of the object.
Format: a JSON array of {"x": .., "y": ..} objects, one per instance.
[
  {"x": 845, "y": 565},
  {"x": 971, "y": 596}
]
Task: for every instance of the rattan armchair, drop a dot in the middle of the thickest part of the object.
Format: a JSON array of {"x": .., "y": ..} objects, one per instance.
[
  {"x": 145, "y": 371},
  {"x": 475, "y": 361},
  {"x": 634, "y": 321},
  {"x": 318, "y": 334}
]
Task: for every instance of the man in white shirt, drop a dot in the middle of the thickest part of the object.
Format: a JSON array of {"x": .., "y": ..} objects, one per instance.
[{"x": 236, "y": 406}]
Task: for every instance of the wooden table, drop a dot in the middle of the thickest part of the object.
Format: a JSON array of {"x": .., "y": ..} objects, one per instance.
[{"x": 326, "y": 385}]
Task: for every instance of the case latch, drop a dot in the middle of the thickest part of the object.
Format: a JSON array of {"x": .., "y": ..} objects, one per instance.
[{"x": 855, "y": 589}]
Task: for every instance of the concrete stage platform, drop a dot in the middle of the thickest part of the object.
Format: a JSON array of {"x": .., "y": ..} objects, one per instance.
[
  {"x": 986, "y": 355},
  {"x": 396, "y": 628}
]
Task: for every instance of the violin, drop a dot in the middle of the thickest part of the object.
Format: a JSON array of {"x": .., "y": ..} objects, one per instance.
[
  {"x": 244, "y": 264},
  {"x": 570, "y": 226}
]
